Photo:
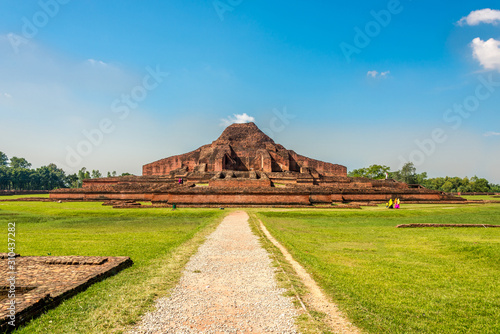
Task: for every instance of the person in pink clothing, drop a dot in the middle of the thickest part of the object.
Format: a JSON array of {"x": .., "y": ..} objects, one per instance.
[{"x": 396, "y": 203}]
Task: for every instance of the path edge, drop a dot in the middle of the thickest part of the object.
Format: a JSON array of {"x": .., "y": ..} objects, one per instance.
[
  {"x": 175, "y": 262},
  {"x": 321, "y": 315}
]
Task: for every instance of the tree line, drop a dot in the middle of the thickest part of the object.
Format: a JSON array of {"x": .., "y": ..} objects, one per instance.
[
  {"x": 408, "y": 174},
  {"x": 16, "y": 174}
]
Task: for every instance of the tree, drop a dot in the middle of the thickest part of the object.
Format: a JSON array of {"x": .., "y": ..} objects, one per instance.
[
  {"x": 376, "y": 172},
  {"x": 16, "y": 162},
  {"x": 464, "y": 186},
  {"x": 421, "y": 178},
  {"x": 83, "y": 174},
  {"x": 5, "y": 178},
  {"x": 435, "y": 183},
  {"x": 479, "y": 185},
  {"x": 72, "y": 180},
  {"x": 112, "y": 174},
  {"x": 18, "y": 175},
  {"x": 408, "y": 173},
  {"x": 96, "y": 174},
  {"x": 20, "y": 178},
  {"x": 48, "y": 178},
  {"x": 4, "y": 160},
  {"x": 447, "y": 186},
  {"x": 357, "y": 173}
]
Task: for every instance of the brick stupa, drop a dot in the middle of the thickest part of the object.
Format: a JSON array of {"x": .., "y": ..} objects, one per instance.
[
  {"x": 245, "y": 167},
  {"x": 242, "y": 147}
]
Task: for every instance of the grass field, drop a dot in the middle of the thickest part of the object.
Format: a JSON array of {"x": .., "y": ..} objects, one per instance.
[
  {"x": 21, "y": 196},
  {"x": 388, "y": 280},
  {"x": 482, "y": 197},
  {"x": 159, "y": 241}
]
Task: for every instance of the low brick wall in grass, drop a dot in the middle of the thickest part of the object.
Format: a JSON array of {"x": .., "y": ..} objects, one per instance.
[
  {"x": 42, "y": 282},
  {"x": 446, "y": 225}
]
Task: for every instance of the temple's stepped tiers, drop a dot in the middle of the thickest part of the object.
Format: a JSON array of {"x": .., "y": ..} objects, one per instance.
[
  {"x": 242, "y": 147},
  {"x": 245, "y": 167}
]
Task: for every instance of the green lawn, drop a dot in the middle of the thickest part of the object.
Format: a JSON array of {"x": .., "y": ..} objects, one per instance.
[
  {"x": 159, "y": 241},
  {"x": 388, "y": 280},
  {"x": 21, "y": 196},
  {"x": 482, "y": 197}
]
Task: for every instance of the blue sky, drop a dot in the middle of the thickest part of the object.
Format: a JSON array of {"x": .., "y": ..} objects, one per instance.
[{"x": 112, "y": 85}]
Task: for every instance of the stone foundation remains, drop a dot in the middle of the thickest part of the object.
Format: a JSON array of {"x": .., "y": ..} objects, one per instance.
[
  {"x": 42, "y": 282},
  {"x": 244, "y": 167}
]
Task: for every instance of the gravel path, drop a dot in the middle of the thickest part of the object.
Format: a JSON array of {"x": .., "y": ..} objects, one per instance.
[{"x": 227, "y": 287}]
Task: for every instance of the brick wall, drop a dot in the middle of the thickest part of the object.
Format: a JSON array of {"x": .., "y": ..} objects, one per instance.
[
  {"x": 243, "y": 199},
  {"x": 240, "y": 183}
]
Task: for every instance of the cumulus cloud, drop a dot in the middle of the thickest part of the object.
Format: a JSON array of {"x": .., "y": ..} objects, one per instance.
[
  {"x": 476, "y": 17},
  {"x": 487, "y": 53},
  {"x": 376, "y": 74},
  {"x": 491, "y": 134},
  {"x": 7, "y": 95},
  {"x": 237, "y": 118}
]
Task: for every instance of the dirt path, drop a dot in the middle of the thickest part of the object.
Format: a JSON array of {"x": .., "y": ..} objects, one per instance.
[
  {"x": 228, "y": 286},
  {"x": 316, "y": 298}
]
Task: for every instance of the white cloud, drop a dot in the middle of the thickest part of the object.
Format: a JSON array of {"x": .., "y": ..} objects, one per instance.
[
  {"x": 7, "y": 95},
  {"x": 487, "y": 15},
  {"x": 237, "y": 118},
  {"x": 56, "y": 97},
  {"x": 491, "y": 133},
  {"x": 375, "y": 74},
  {"x": 96, "y": 62},
  {"x": 487, "y": 53}
]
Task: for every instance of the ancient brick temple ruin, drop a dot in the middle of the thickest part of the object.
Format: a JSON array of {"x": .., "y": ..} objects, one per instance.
[
  {"x": 43, "y": 282},
  {"x": 245, "y": 167}
]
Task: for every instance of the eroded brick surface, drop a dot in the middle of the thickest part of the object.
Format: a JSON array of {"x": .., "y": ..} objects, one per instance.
[
  {"x": 242, "y": 147},
  {"x": 42, "y": 282}
]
